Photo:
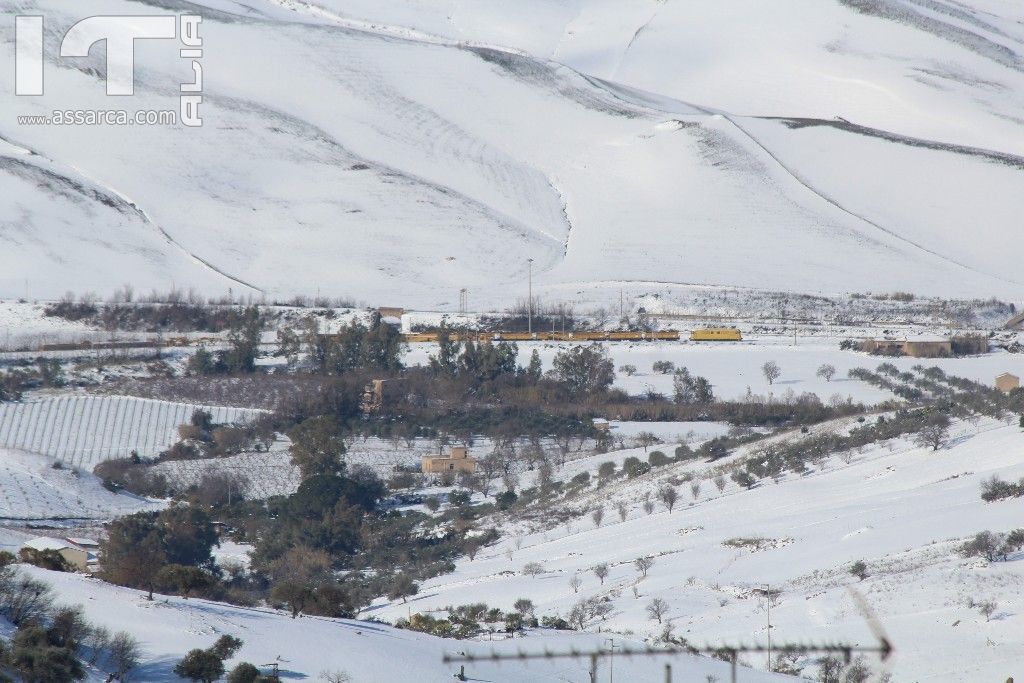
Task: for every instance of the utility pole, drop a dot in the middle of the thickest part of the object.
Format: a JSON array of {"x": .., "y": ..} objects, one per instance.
[
  {"x": 529, "y": 305},
  {"x": 611, "y": 660},
  {"x": 768, "y": 591}
]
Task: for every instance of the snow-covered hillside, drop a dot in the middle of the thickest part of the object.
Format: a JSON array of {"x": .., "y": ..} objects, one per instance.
[
  {"x": 370, "y": 653},
  {"x": 399, "y": 151},
  {"x": 901, "y": 509}
]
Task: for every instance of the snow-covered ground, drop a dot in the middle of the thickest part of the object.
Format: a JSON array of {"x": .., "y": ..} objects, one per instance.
[
  {"x": 32, "y": 488},
  {"x": 901, "y": 509},
  {"x": 370, "y": 653},
  {"x": 401, "y": 151}
]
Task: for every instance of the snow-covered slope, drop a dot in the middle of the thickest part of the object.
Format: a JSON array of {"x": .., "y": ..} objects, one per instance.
[
  {"x": 902, "y": 509},
  {"x": 32, "y": 489},
  {"x": 370, "y": 653},
  {"x": 402, "y": 150}
]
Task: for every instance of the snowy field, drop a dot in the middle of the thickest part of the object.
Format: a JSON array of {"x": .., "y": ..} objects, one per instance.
[
  {"x": 32, "y": 489},
  {"x": 85, "y": 430},
  {"x": 733, "y": 368},
  {"x": 901, "y": 509},
  {"x": 401, "y": 151}
]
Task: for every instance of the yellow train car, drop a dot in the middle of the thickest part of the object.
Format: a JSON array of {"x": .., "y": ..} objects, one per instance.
[
  {"x": 716, "y": 334},
  {"x": 575, "y": 336}
]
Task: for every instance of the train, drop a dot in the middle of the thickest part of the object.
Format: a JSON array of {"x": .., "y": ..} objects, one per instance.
[
  {"x": 716, "y": 334},
  {"x": 702, "y": 334},
  {"x": 577, "y": 336}
]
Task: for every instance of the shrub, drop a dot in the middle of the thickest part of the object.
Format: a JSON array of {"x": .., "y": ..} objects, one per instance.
[
  {"x": 663, "y": 367},
  {"x": 581, "y": 479},
  {"x": 634, "y": 467},
  {"x": 459, "y": 498},
  {"x": 658, "y": 459},
  {"x": 994, "y": 488},
  {"x": 243, "y": 673},
  {"x": 505, "y": 500},
  {"x": 684, "y": 452},
  {"x": 743, "y": 478},
  {"x": 986, "y": 544},
  {"x": 859, "y": 569}
]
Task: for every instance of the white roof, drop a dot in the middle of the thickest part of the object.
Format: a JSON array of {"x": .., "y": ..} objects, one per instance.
[{"x": 48, "y": 543}]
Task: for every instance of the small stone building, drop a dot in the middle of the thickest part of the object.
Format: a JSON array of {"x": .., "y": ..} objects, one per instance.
[
  {"x": 457, "y": 460},
  {"x": 1007, "y": 382},
  {"x": 969, "y": 345},
  {"x": 928, "y": 348},
  {"x": 391, "y": 312}
]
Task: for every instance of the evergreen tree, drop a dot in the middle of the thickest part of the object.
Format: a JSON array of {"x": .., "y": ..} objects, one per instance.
[{"x": 317, "y": 447}]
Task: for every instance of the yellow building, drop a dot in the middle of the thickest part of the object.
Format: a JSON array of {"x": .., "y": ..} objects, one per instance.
[
  {"x": 1007, "y": 382},
  {"x": 457, "y": 460}
]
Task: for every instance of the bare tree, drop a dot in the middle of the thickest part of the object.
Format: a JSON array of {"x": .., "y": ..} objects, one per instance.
[
  {"x": 597, "y": 515},
  {"x": 646, "y": 440},
  {"x": 657, "y": 608},
  {"x": 97, "y": 640},
  {"x": 827, "y": 371},
  {"x": 668, "y": 495},
  {"x": 771, "y": 371},
  {"x": 987, "y": 608},
  {"x": 934, "y": 433},
  {"x": 123, "y": 654},
  {"x": 533, "y": 569},
  {"x": 623, "y": 511},
  {"x": 601, "y": 572},
  {"x": 695, "y": 488},
  {"x": 643, "y": 565},
  {"x": 575, "y": 582},
  {"x": 488, "y": 468},
  {"x": 649, "y": 506},
  {"x": 719, "y": 482},
  {"x": 524, "y": 606}
]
